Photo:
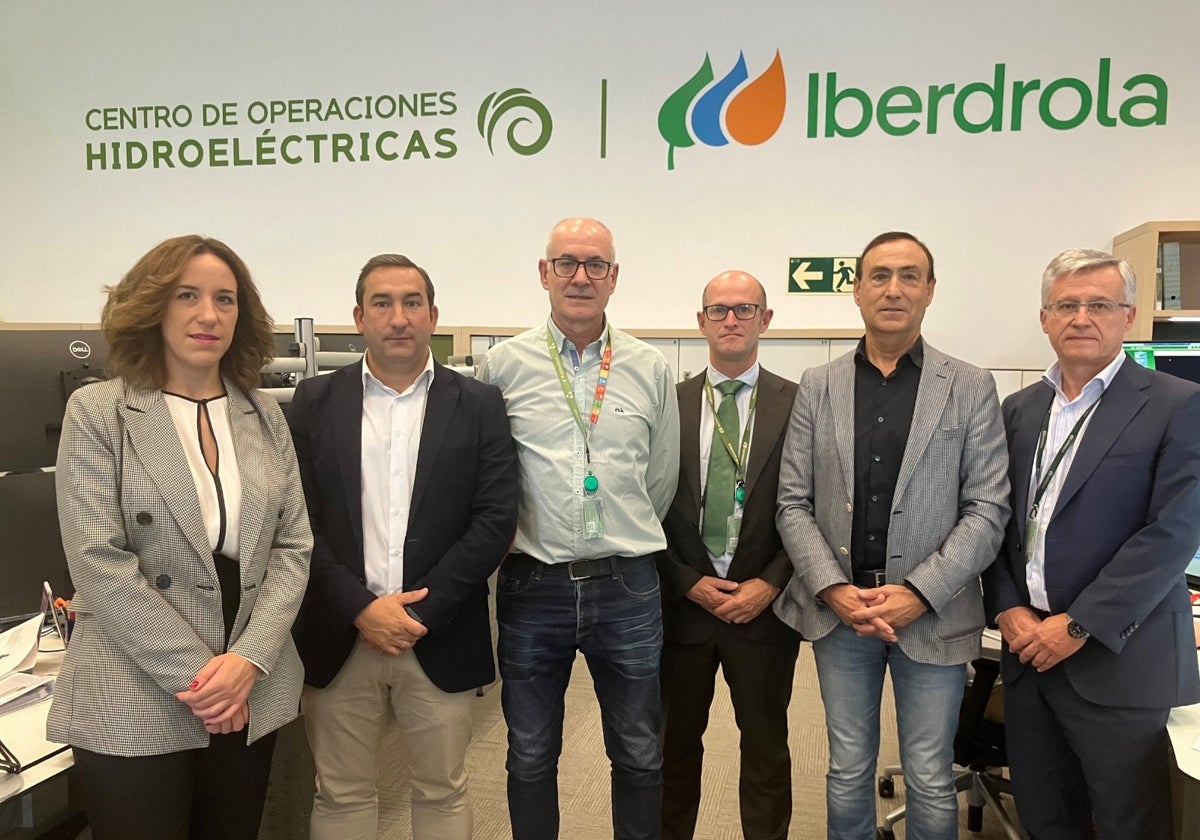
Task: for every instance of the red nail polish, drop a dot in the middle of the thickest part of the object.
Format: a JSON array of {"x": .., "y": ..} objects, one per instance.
[{"x": 195, "y": 684}]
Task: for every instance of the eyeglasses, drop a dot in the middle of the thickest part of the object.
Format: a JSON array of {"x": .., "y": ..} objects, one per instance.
[
  {"x": 594, "y": 269},
  {"x": 1095, "y": 308},
  {"x": 741, "y": 311}
]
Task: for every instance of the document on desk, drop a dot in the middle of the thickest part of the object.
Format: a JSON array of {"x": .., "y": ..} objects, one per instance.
[
  {"x": 20, "y": 690},
  {"x": 19, "y": 646}
]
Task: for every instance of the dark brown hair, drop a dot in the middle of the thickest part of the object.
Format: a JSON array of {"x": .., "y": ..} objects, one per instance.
[
  {"x": 132, "y": 316},
  {"x": 892, "y": 236},
  {"x": 391, "y": 261}
]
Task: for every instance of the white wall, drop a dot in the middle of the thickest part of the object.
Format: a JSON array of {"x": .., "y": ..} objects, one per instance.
[{"x": 994, "y": 206}]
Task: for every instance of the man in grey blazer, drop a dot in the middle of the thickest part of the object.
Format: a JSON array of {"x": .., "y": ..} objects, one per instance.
[{"x": 893, "y": 497}]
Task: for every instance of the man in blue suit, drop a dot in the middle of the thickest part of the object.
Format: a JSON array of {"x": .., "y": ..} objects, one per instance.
[
  {"x": 1089, "y": 589},
  {"x": 410, "y": 476}
]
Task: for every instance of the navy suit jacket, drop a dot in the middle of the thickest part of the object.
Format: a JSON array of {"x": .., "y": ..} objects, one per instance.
[
  {"x": 1125, "y": 526},
  {"x": 461, "y": 522},
  {"x": 760, "y": 551}
]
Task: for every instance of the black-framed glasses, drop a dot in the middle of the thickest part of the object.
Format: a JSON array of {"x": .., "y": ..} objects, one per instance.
[
  {"x": 741, "y": 311},
  {"x": 594, "y": 269},
  {"x": 1095, "y": 308}
]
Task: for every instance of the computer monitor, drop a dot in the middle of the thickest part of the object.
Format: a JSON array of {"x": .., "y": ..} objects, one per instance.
[
  {"x": 1178, "y": 358},
  {"x": 1193, "y": 572},
  {"x": 30, "y": 546}
]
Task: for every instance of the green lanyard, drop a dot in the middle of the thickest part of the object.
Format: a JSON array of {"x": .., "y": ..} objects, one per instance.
[
  {"x": 1044, "y": 481},
  {"x": 590, "y": 483},
  {"x": 738, "y": 456}
]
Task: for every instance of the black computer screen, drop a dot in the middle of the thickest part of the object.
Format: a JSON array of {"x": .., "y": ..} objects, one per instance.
[
  {"x": 1178, "y": 358},
  {"x": 30, "y": 547}
]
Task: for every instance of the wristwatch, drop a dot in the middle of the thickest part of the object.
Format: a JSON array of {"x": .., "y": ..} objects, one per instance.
[{"x": 1075, "y": 629}]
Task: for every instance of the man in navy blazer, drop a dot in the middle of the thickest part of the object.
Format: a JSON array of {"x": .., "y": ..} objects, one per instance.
[
  {"x": 410, "y": 476},
  {"x": 1089, "y": 590}
]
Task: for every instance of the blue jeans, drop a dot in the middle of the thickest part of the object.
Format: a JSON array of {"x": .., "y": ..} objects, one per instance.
[
  {"x": 544, "y": 617},
  {"x": 850, "y": 669}
]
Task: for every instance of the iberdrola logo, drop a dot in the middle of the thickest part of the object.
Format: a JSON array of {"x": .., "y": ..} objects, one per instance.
[{"x": 753, "y": 114}]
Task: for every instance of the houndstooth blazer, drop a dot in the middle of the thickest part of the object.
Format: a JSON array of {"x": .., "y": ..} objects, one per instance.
[
  {"x": 949, "y": 509},
  {"x": 147, "y": 600}
]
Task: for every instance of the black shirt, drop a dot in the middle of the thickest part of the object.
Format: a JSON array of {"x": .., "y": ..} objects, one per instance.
[{"x": 883, "y": 413}]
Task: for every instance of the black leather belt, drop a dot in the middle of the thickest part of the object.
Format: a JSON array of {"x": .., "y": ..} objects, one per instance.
[
  {"x": 870, "y": 580},
  {"x": 600, "y": 567}
]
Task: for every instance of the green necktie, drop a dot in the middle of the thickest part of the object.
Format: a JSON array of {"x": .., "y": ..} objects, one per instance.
[{"x": 718, "y": 493}]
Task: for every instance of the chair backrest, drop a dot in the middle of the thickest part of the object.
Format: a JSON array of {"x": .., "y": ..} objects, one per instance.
[{"x": 979, "y": 741}]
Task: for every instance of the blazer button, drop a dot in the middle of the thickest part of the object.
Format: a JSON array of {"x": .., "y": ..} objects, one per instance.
[
  {"x": 163, "y": 581},
  {"x": 144, "y": 518},
  {"x": 844, "y": 550},
  {"x": 849, "y": 507}
]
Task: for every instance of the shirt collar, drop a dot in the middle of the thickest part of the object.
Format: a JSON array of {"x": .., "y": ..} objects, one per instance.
[
  {"x": 1098, "y": 383},
  {"x": 372, "y": 383},
  {"x": 915, "y": 354},
  {"x": 749, "y": 376},
  {"x": 564, "y": 344}
]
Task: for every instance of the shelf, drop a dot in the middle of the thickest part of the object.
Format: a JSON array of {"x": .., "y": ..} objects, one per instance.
[{"x": 1139, "y": 247}]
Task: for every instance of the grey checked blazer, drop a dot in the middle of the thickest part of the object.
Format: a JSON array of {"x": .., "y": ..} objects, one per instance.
[
  {"x": 948, "y": 512},
  {"x": 147, "y": 600}
]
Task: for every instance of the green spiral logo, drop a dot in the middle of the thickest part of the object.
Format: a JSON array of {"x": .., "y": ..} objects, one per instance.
[{"x": 499, "y": 106}]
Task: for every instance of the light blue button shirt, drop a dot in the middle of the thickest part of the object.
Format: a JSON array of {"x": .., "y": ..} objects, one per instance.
[
  {"x": 634, "y": 445},
  {"x": 1064, "y": 414}
]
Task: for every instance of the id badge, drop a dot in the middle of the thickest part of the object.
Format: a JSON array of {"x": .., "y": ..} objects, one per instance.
[
  {"x": 1031, "y": 535},
  {"x": 593, "y": 518},
  {"x": 733, "y": 529}
]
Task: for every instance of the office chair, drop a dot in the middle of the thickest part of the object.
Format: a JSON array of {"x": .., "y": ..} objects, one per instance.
[{"x": 978, "y": 751}]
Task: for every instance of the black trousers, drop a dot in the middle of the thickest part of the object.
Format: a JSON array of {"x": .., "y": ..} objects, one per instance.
[
  {"x": 215, "y": 793},
  {"x": 759, "y": 675}
]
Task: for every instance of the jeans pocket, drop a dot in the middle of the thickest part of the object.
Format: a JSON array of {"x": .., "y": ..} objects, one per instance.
[
  {"x": 640, "y": 580},
  {"x": 513, "y": 582}
]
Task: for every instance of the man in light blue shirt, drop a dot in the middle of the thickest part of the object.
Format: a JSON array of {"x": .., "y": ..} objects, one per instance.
[{"x": 594, "y": 414}]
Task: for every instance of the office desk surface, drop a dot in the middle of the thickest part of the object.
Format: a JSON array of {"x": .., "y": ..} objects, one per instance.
[
  {"x": 24, "y": 732},
  {"x": 1184, "y": 728}
]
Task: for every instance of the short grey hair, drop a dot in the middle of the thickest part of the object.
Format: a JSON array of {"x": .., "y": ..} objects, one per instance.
[{"x": 1074, "y": 260}]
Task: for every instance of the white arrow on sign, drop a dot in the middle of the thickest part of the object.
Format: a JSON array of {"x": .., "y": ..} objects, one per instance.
[{"x": 802, "y": 275}]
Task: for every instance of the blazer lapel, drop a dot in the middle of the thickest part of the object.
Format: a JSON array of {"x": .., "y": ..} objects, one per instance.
[
  {"x": 691, "y": 392},
  {"x": 1122, "y": 400},
  {"x": 770, "y": 419},
  {"x": 346, "y": 396},
  {"x": 1024, "y": 447},
  {"x": 932, "y": 393},
  {"x": 155, "y": 441},
  {"x": 439, "y": 408},
  {"x": 840, "y": 383},
  {"x": 251, "y": 457}
]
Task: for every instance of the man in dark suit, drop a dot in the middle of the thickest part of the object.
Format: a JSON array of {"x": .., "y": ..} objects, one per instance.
[
  {"x": 410, "y": 475},
  {"x": 1089, "y": 590},
  {"x": 724, "y": 566}
]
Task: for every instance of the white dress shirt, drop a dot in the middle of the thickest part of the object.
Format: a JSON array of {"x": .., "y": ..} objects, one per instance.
[
  {"x": 715, "y": 377},
  {"x": 391, "y": 438},
  {"x": 1064, "y": 414},
  {"x": 220, "y": 494}
]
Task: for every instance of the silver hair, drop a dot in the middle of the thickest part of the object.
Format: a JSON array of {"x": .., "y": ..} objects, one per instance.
[
  {"x": 1075, "y": 260},
  {"x": 577, "y": 219}
]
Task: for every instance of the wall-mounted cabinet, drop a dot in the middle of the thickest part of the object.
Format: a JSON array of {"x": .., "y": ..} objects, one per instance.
[{"x": 1141, "y": 248}]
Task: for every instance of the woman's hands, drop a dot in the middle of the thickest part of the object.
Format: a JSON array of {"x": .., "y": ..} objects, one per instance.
[{"x": 219, "y": 693}]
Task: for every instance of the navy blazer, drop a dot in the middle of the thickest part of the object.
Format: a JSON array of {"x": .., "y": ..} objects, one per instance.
[
  {"x": 1125, "y": 526},
  {"x": 461, "y": 522}
]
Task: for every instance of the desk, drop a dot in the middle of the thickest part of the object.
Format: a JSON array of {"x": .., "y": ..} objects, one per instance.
[
  {"x": 24, "y": 732},
  {"x": 1183, "y": 728}
]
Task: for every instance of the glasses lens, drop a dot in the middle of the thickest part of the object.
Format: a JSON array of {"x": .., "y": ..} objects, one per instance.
[
  {"x": 745, "y": 311},
  {"x": 716, "y": 312},
  {"x": 596, "y": 269},
  {"x": 565, "y": 266}
]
